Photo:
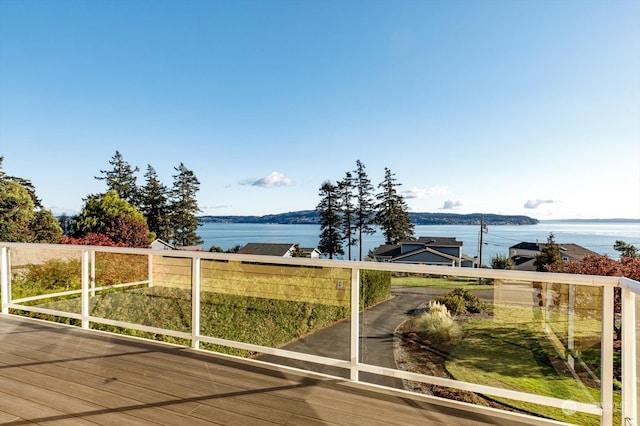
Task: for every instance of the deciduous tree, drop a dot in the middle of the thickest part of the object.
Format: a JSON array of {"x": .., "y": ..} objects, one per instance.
[
  {"x": 392, "y": 212},
  {"x": 98, "y": 212},
  {"x": 22, "y": 217},
  {"x": 329, "y": 216}
]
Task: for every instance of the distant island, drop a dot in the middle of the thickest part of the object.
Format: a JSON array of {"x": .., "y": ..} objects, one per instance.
[{"x": 310, "y": 217}]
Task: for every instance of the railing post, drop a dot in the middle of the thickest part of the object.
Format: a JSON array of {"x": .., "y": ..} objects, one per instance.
[
  {"x": 355, "y": 323},
  {"x": 629, "y": 367},
  {"x": 150, "y": 271},
  {"x": 84, "y": 295},
  {"x": 571, "y": 327},
  {"x": 93, "y": 273},
  {"x": 195, "y": 303},
  {"x": 606, "y": 357},
  {"x": 4, "y": 280}
]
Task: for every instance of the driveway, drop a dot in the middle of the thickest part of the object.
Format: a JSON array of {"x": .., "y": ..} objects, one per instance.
[{"x": 377, "y": 326}]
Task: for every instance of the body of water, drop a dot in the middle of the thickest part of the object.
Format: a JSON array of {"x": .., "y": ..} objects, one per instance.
[{"x": 598, "y": 236}]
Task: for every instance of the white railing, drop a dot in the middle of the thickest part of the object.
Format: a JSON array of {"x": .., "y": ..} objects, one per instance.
[{"x": 604, "y": 408}]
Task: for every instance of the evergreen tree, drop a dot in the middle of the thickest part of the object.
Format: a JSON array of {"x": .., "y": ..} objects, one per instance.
[
  {"x": 550, "y": 255},
  {"x": 364, "y": 213},
  {"x": 329, "y": 216},
  {"x": 502, "y": 262},
  {"x": 122, "y": 179},
  {"x": 154, "y": 204},
  {"x": 345, "y": 190},
  {"x": 184, "y": 207},
  {"x": 392, "y": 212},
  {"x": 626, "y": 249},
  {"x": 46, "y": 228}
]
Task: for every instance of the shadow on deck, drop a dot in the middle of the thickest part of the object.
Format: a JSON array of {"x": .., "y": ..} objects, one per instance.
[{"x": 50, "y": 373}]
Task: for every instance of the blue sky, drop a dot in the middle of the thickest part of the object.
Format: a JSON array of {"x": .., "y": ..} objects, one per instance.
[{"x": 512, "y": 107}]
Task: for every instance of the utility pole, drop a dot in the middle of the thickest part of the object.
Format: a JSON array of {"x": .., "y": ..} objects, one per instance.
[{"x": 483, "y": 229}]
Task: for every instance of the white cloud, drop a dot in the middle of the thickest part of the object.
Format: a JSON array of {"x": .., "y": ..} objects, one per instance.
[
  {"x": 451, "y": 205},
  {"x": 274, "y": 179},
  {"x": 534, "y": 204},
  {"x": 424, "y": 192}
]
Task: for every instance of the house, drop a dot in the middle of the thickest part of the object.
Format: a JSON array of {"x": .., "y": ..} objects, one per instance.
[
  {"x": 313, "y": 253},
  {"x": 159, "y": 244},
  {"x": 443, "y": 251},
  {"x": 269, "y": 249},
  {"x": 524, "y": 254}
]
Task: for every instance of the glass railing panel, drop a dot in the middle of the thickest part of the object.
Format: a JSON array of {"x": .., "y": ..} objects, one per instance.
[
  {"x": 127, "y": 294},
  {"x": 48, "y": 278},
  {"x": 302, "y": 309},
  {"x": 536, "y": 338}
]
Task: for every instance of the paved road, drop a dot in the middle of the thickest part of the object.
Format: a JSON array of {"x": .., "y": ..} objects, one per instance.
[{"x": 377, "y": 326}]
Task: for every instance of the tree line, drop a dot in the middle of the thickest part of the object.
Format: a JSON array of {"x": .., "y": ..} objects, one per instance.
[
  {"x": 349, "y": 209},
  {"x": 124, "y": 215}
]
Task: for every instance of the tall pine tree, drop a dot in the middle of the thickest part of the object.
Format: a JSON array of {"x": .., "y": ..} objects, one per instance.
[
  {"x": 364, "y": 213},
  {"x": 550, "y": 254},
  {"x": 154, "y": 204},
  {"x": 122, "y": 179},
  {"x": 345, "y": 190},
  {"x": 329, "y": 215},
  {"x": 392, "y": 212},
  {"x": 184, "y": 208}
]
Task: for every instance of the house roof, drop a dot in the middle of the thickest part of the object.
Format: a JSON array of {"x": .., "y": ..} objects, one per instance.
[
  {"x": 266, "y": 249},
  {"x": 162, "y": 243},
  {"x": 387, "y": 250},
  {"x": 394, "y": 250},
  {"x": 436, "y": 241},
  {"x": 573, "y": 251}
]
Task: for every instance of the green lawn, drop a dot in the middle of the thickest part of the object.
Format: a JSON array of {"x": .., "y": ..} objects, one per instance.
[
  {"x": 511, "y": 351},
  {"x": 445, "y": 282}
]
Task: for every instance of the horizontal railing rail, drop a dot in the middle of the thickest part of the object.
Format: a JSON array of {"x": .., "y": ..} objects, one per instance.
[{"x": 603, "y": 408}]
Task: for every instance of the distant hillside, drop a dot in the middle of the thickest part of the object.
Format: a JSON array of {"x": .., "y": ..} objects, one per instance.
[{"x": 311, "y": 217}]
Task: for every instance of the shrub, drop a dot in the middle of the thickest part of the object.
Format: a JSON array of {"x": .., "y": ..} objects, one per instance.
[
  {"x": 376, "y": 287},
  {"x": 438, "y": 324},
  {"x": 460, "y": 301}
]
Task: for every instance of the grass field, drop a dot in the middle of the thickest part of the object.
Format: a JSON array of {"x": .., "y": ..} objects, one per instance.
[{"x": 444, "y": 282}]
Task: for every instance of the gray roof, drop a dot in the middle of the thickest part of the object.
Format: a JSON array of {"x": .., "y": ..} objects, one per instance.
[
  {"x": 266, "y": 249},
  {"x": 573, "y": 251}
]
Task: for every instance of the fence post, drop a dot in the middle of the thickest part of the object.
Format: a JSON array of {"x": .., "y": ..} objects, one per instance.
[
  {"x": 195, "y": 303},
  {"x": 629, "y": 367},
  {"x": 355, "y": 323},
  {"x": 84, "y": 295},
  {"x": 606, "y": 357},
  {"x": 4, "y": 280}
]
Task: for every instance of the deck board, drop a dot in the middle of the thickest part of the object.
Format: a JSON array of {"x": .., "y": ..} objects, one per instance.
[{"x": 55, "y": 374}]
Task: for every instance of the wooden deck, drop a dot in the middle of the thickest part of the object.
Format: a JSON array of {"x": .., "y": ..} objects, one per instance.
[{"x": 54, "y": 374}]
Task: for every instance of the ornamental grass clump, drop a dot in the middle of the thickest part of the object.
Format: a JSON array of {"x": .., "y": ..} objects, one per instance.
[{"x": 438, "y": 324}]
